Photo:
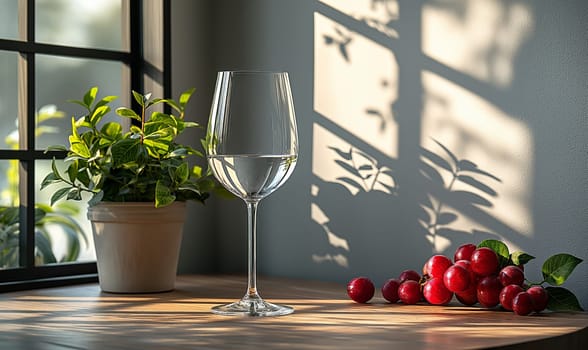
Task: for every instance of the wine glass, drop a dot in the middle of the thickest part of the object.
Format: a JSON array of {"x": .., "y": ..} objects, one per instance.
[{"x": 252, "y": 148}]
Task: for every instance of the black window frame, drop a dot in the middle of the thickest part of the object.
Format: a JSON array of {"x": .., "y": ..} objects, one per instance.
[{"x": 28, "y": 275}]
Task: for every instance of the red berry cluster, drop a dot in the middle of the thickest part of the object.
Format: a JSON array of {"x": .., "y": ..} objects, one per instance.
[{"x": 474, "y": 276}]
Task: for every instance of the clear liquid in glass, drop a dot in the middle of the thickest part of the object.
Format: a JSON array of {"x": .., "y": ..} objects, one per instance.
[{"x": 252, "y": 177}]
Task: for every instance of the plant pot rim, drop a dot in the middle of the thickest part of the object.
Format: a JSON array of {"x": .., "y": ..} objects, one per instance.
[
  {"x": 136, "y": 212},
  {"x": 144, "y": 204}
]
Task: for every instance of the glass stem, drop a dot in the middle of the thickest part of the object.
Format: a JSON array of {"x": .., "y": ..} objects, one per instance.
[{"x": 252, "y": 249}]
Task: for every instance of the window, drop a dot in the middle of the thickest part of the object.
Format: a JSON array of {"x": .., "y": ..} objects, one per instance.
[{"x": 52, "y": 51}]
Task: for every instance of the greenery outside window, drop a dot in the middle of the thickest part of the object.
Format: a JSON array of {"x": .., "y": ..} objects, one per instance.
[{"x": 51, "y": 51}]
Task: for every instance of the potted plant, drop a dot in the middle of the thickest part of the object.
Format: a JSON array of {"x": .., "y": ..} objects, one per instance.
[{"x": 139, "y": 181}]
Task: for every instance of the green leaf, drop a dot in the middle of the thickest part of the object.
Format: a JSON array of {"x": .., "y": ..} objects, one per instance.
[
  {"x": 197, "y": 171},
  {"x": 51, "y": 178},
  {"x": 90, "y": 96},
  {"x": 561, "y": 299},
  {"x": 207, "y": 184},
  {"x": 72, "y": 171},
  {"x": 106, "y": 100},
  {"x": 83, "y": 177},
  {"x": 127, "y": 112},
  {"x": 80, "y": 149},
  {"x": 56, "y": 148},
  {"x": 60, "y": 193},
  {"x": 83, "y": 121},
  {"x": 98, "y": 114},
  {"x": 499, "y": 248},
  {"x": 96, "y": 199},
  {"x": 74, "y": 136},
  {"x": 182, "y": 173},
  {"x": 139, "y": 98},
  {"x": 173, "y": 104},
  {"x": 125, "y": 151},
  {"x": 9, "y": 215},
  {"x": 75, "y": 194},
  {"x": 185, "y": 97},
  {"x": 155, "y": 148},
  {"x": 178, "y": 152},
  {"x": 520, "y": 258},
  {"x": 191, "y": 125},
  {"x": 43, "y": 244},
  {"x": 95, "y": 181},
  {"x": 39, "y": 214},
  {"x": 136, "y": 130},
  {"x": 557, "y": 268},
  {"x": 55, "y": 170},
  {"x": 163, "y": 195},
  {"x": 154, "y": 102},
  {"x": 73, "y": 245},
  {"x": 112, "y": 130}
]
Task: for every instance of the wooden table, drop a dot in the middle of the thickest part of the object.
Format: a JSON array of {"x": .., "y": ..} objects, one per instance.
[{"x": 82, "y": 317}]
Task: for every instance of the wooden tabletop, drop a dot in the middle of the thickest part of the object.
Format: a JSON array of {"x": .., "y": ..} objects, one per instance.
[{"x": 83, "y": 317}]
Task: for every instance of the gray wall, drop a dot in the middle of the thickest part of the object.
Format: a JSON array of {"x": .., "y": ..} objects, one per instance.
[{"x": 501, "y": 84}]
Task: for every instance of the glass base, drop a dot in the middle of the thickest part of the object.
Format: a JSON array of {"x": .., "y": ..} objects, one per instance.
[{"x": 252, "y": 306}]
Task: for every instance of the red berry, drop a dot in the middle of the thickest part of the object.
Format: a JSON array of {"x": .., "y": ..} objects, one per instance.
[
  {"x": 390, "y": 290},
  {"x": 488, "y": 291},
  {"x": 436, "y": 293},
  {"x": 484, "y": 261},
  {"x": 466, "y": 264},
  {"x": 469, "y": 296},
  {"x": 360, "y": 289},
  {"x": 508, "y": 293},
  {"x": 409, "y": 275},
  {"x": 522, "y": 304},
  {"x": 409, "y": 292},
  {"x": 511, "y": 275},
  {"x": 464, "y": 252},
  {"x": 456, "y": 278},
  {"x": 539, "y": 297},
  {"x": 437, "y": 264}
]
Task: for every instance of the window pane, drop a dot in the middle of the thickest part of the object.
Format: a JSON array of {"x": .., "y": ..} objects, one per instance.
[
  {"x": 62, "y": 232},
  {"x": 96, "y": 24},
  {"x": 9, "y": 19},
  {"x": 60, "y": 79},
  {"x": 8, "y": 100},
  {"x": 9, "y": 213}
]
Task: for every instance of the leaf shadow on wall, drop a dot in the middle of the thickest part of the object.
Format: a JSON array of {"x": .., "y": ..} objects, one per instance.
[
  {"x": 434, "y": 214},
  {"x": 419, "y": 209},
  {"x": 361, "y": 237}
]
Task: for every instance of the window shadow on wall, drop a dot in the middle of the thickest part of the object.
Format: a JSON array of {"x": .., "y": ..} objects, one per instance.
[{"x": 413, "y": 153}]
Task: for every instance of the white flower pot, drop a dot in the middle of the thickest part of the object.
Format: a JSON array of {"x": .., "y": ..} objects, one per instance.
[{"x": 137, "y": 245}]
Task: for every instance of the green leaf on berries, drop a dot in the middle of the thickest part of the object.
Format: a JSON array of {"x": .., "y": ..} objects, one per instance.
[
  {"x": 558, "y": 267},
  {"x": 499, "y": 248},
  {"x": 561, "y": 299},
  {"x": 521, "y": 258}
]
